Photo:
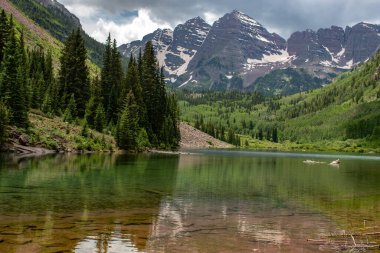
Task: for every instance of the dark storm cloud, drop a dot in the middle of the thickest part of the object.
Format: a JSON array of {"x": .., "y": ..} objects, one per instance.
[{"x": 281, "y": 16}]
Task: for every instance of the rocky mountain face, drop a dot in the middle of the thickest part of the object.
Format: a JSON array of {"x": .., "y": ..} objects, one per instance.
[
  {"x": 335, "y": 47},
  {"x": 235, "y": 44},
  {"x": 60, "y": 9},
  {"x": 236, "y": 50},
  {"x": 175, "y": 49}
]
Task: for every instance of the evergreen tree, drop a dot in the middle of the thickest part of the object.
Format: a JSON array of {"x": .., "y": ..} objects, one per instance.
[
  {"x": 51, "y": 99},
  {"x": 230, "y": 136},
  {"x": 132, "y": 83},
  {"x": 48, "y": 70},
  {"x": 38, "y": 80},
  {"x": 91, "y": 111},
  {"x": 261, "y": 134},
  {"x": 274, "y": 135},
  {"x": 138, "y": 103},
  {"x": 117, "y": 67},
  {"x": 94, "y": 102},
  {"x": 38, "y": 91},
  {"x": 106, "y": 78},
  {"x": 140, "y": 66},
  {"x": 161, "y": 99},
  {"x": 73, "y": 75},
  {"x": 127, "y": 127},
  {"x": 152, "y": 91},
  {"x": 172, "y": 118},
  {"x": 166, "y": 137},
  {"x": 100, "y": 118},
  {"x": 4, "y": 33},
  {"x": 117, "y": 76},
  {"x": 4, "y": 120},
  {"x": 112, "y": 108},
  {"x": 111, "y": 80},
  {"x": 13, "y": 84},
  {"x": 71, "y": 111}
]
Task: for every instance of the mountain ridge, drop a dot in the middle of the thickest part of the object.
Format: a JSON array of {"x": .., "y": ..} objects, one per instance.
[
  {"x": 53, "y": 17},
  {"x": 238, "y": 45}
]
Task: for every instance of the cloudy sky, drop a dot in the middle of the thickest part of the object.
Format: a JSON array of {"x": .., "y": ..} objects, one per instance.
[{"x": 128, "y": 20}]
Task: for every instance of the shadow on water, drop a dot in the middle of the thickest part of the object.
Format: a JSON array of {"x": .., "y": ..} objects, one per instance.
[{"x": 204, "y": 202}]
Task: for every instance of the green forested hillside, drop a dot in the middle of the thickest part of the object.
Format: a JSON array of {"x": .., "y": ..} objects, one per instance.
[
  {"x": 344, "y": 115},
  {"x": 286, "y": 82},
  {"x": 59, "y": 23},
  {"x": 133, "y": 106}
]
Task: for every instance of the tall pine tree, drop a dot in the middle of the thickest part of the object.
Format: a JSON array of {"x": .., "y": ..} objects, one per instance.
[
  {"x": 4, "y": 120},
  {"x": 132, "y": 83},
  {"x": 112, "y": 76},
  {"x": 4, "y": 33},
  {"x": 127, "y": 127},
  {"x": 150, "y": 83},
  {"x": 13, "y": 88},
  {"x": 73, "y": 75},
  {"x": 106, "y": 78}
]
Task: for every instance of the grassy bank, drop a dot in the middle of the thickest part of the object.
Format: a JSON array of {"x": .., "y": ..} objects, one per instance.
[
  {"x": 350, "y": 146},
  {"x": 54, "y": 134}
]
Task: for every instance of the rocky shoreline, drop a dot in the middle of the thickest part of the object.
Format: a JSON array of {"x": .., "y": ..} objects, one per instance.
[{"x": 192, "y": 138}]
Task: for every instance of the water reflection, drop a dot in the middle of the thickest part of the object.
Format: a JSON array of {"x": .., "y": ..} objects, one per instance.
[
  {"x": 115, "y": 242},
  {"x": 186, "y": 203}
]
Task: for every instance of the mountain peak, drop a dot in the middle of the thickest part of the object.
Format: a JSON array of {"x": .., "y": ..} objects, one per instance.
[
  {"x": 237, "y": 12},
  {"x": 366, "y": 25},
  {"x": 197, "y": 21},
  {"x": 243, "y": 18}
]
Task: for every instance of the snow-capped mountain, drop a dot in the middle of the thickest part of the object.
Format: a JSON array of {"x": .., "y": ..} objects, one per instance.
[
  {"x": 188, "y": 38},
  {"x": 175, "y": 49},
  {"x": 236, "y": 46}
]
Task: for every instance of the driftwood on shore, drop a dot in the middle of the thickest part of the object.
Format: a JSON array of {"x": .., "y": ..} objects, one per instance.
[
  {"x": 26, "y": 150},
  {"x": 313, "y": 162}
]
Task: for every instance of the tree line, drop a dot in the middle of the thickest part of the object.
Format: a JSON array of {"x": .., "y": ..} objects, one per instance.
[{"x": 131, "y": 104}]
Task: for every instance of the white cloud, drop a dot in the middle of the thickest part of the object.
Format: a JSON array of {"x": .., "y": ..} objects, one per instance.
[
  {"x": 82, "y": 11},
  {"x": 127, "y": 31},
  {"x": 211, "y": 17},
  {"x": 297, "y": 16}
]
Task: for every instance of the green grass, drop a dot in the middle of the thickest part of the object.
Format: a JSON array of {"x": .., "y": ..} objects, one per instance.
[{"x": 55, "y": 134}]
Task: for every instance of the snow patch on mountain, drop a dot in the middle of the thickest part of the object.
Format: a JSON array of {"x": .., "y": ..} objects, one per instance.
[
  {"x": 259, "y": 37},
  {"x": 348, "y": 65},
  {"x": 191, "y": 77},
  {"x": 187, "y": 58},
  {"x": 185, "y": 55},
  {"x": 333, "y": 56},
  {"x": 245, "y": 19},
  {"x": 342, "y": 52},
  {"x": 281, "y": 58},
  {"x": 326, "y": 64}
]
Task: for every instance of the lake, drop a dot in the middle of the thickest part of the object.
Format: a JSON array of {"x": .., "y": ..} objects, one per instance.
[{"x": 202, "y": 201}]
